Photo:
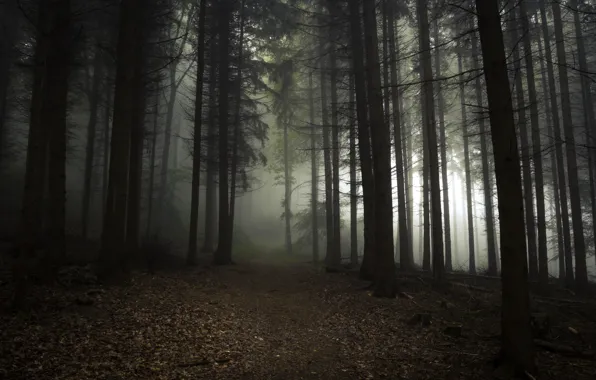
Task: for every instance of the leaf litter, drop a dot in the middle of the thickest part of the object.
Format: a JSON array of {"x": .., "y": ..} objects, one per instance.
[{"x": 272, "y": 321}]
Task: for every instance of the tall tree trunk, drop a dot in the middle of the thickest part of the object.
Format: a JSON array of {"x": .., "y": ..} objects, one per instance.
[
  {"x": 152, "y": 167},
  {"x": 553, "y": 164},
  {"x": 353, "y": 184},
  {"x": 114, "y": 229},
  {"x": 10, "y": 35},
  {"x": 562, "y": 179},
  {"x": 488, "y": 199},
  {"x": 385, "y": 285},
  {"x": 135, "y": 163},
  {"x": 516, "y": 337},
  {"x": 106, "y": 146},
  {"x": 314, "y": 168},
  {"x": 336, "y": 254},
  {"x": 238, "y": 137},
  {"x": 327, "y": 161},
  {"x": 443, "y": 147},
  {"x": 525, "y": 150},
  {"x": 581, "y": 272},
  {"x": 94, "y": 97},
  {"x": 404, "y": 254},
  {"x": 212, "y": 139},
  {"x": 537, "y": 150},
  {"x": 364, "y": 147},
  {"x": 469, "y": 202},
  {"x": 438, "y": 264},
  {"x": 588, "y": 107},
  {"x": 287, "y": 190},
  {"x": 223, "y": 254},
  {"x": 54, "y": 111},
  {"x": 191, "y": 255}
]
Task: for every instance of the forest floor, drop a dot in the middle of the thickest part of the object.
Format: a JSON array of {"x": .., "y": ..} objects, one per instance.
[{"x": 277, "y": 320}]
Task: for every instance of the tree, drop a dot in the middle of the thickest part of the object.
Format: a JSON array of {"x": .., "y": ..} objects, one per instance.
[
  {"x": 385, "y": 285},
  {"x": 581, "y": 272},
  {"x": 438, "y": 264},
  {"x": 364, "y": 147},
  {"x": 516, "y": 336},
  {"x": 196, "y": 153},
  {"x": 404, "y": 253}
]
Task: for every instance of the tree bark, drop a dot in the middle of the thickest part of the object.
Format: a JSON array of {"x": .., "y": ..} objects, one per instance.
[
  {"x": 404, "y": 254},
  {"x": 336, "y": 254},
  {"x": 588, "y": 107},
  {"x": 223, "y": 255},
  {"x": 581, "y": 272},
  {"x": 364, "y": 147},
  {"x": 516, "y": 337},
  {"x": 562, "y": 179},
  {"x": 353, "y": 184},
  {"x": 525, "y": 150},
  {"x": 438, "y": 264},
  {"x": 488, "y": 200},
  {"x": 238, "y": 136},
  {"x": 113, "y": 254},
  {"x": 314, "y": 200},
  {"x": 191, "y": 255},
  {"x": 385, "y": 282},
  {"x": 327, "y": 162},
  {"x": 464, "y": 123},
  {"x": 94, "y": 97},
  {"x": 537, "y": 150},
  {"x": 212, "y": 139},
  {"x": 151, "y": 184},
  {"x": 443, "y": 147}
]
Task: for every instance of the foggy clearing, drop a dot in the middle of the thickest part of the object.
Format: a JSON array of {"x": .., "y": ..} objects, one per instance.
[{"x": 297, "y": 189}]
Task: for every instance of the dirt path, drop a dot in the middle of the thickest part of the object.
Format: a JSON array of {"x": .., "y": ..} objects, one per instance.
[{"x": 249, "y": 321}]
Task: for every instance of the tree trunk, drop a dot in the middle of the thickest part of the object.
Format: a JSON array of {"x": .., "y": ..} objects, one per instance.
[
  {"x": 191, "y": 255},
  {"x": 212, "y": 139},
  {"x": 114, "y": 229},
  {"x": 364, "y": 147},
  {"x": 404, "y": 254},
  {"x": 588, "y": 107},
  {"x": 353, "y": 184},
  {"x": 94, "y": 97},
  {"x": 537, "y": 150},
  {"x": 336, "y": 254},
  {"x": 516, "y": 337},
  {"x": 152, "y": 168},
  {"x": 385, "y": 282},
  {"x": 438, "y": 264},
  {"x": 106, "y": 146},
  {"x": 581, "y": 273},
  {"x": 135, "y": 163},
  {"x": 314, "y": 168},
  {"x": 464, "y": 123},
  {"x": 223, "y": 254},
  {"x": 443, "y": 147},
  {"x": 553, "y": 164},
  {"x": 488, "y": 200},
  {"x": 54, "y": 111},
  {"x": 238, "y": 137},
  {"x": 327, "y": 162},
  {"x": 562, "y": 179},
  {"x": 525, "y": 151},
  {"x": 10, "y": 35}
]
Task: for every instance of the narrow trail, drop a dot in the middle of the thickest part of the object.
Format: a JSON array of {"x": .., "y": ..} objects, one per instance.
[{"x": 255, "y": 320}]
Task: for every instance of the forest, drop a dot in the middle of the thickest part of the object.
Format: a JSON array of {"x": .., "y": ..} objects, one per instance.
[{"x": 297, "y": 189}]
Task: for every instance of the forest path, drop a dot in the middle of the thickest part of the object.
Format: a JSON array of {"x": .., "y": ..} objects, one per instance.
[{"x": 256, "y": 320}]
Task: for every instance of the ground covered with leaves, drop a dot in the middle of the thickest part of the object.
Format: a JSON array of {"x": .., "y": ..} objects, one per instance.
[{"x": 257, "y": 320}]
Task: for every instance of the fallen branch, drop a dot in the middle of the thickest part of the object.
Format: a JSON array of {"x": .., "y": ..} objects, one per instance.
[
  {"x": 472, "y": 287},
  {"x": 563, "y": 349}
]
